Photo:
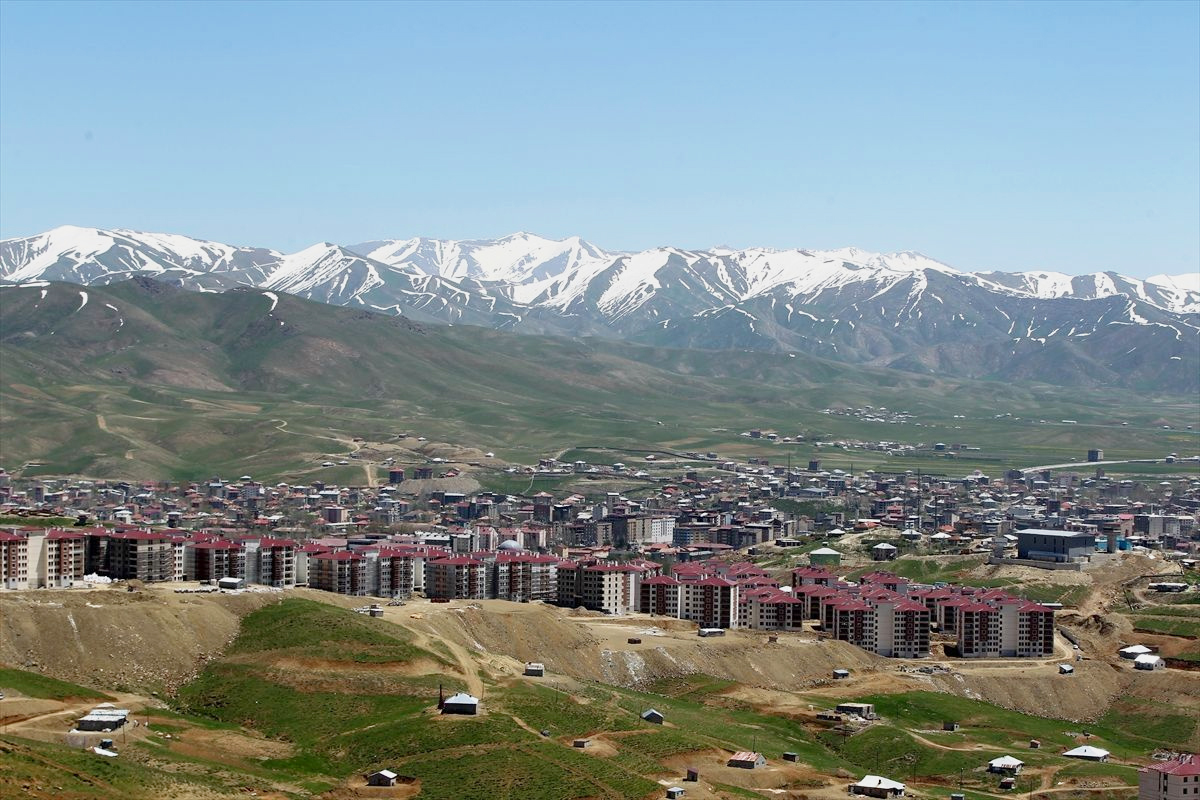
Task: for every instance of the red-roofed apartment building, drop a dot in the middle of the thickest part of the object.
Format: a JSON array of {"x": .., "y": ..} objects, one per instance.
[
  {"x": 342, "y": 572},
  {"x": 456, "y": 578},
  {"x": 659, "y": 595},
  {"x": 1177, "y": 778},
  {"x": 14, "y": 560},
  {"x": 711, "y": 602},
  {"x": 64, "y": 557},
  {"x": 610, "y": 588}
]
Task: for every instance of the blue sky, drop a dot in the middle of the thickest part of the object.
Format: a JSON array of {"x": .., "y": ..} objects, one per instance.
[{"x": 1008, "y": 135}]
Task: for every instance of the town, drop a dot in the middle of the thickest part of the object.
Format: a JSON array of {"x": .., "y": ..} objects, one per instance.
[{"x": 737, "y": 545}]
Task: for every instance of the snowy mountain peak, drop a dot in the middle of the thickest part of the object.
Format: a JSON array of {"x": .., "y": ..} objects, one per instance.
[{"x": 900, "y": 309}]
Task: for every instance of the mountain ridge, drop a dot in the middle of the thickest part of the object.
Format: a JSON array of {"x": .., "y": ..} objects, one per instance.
[{"x": 903, "y": 310}]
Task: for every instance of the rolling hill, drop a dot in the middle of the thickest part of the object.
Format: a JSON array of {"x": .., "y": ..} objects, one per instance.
[{"x": 143, "y": 379}]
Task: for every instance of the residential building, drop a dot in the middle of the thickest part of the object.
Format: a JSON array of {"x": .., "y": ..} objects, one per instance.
[
  {"x": 342, "y": 572},
  {"x": 659, "y": 595},
  {"x": 710, "y": 602},
  {"x": 14, "y": 560},
  {"x": 459, "y": 577},
  {"x": 64, "y": 558},
  {"x": 610, "y": 588},
  {"x": 1177, "y": 778}
]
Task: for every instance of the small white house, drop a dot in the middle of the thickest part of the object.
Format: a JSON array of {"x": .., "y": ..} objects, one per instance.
[
  {"x": 876, "y": 786},
  {"x": 1006, "y": 765},
  {"x": 1149, "y": 661},
  {"x": 461, "y": 703},
  {"x": 535, "y": 669},
  {"x": 884, "y": 552},
  {"x": 1088, "y": 753},
  {"x": 384, "y": 777}
]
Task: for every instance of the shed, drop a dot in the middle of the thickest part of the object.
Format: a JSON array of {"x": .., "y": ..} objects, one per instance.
[
  {"x": 746, "y": 759},
  {"x": 103, "y": 718},
  {"x": 949, "y": 726},
  {"x": 384, "y": 777},
  {"x": 1034, "y": 744},
  {"x": 790, "y": 756},
  {"x": 1088, "y": 753},
  {"x": 838, "y": 674},
  {"x": 675, "y": 792},
  {"x": 875, "y": 786},
  {"x": 581, "y": 743},
  {"x": 1066, "y": 669},
  {"x": 231, "y": 583},
  {"x": 1005, "y": 765},
  {"x": 692, "y": 775},
  {"x": 461, "y": 703},
  {"x": 1008, "y": 782},
  {"x": 653, "y": 715},
  {"x": 535, "y": 669}
]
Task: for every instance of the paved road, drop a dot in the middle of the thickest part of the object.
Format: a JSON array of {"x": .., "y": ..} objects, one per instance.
[{"x": 1093, "y": 464}]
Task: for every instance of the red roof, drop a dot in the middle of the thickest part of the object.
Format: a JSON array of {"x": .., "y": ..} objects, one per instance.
[
  {"x": 1183, "y": 764},
  {"x": 715, "y": 582},
  {"x": 910, "y": 605},
  {"x": 140, "y": 536},
  {"x": 218, "y": 545},
  {"x": 660, "y": 580},
  {"x": 609, "y": 568},
  {"x": 850, "y": 604},
  {"x": 1031, "y": 606},
  {"x": 972, "y": 608},
  {"x": 458, "y": 561},
  {"x": 341, "y": 555},
  {"x": 774, "y": 596}
]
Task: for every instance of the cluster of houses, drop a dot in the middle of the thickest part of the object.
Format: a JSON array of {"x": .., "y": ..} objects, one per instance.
[{"x": 607, "y": 554}]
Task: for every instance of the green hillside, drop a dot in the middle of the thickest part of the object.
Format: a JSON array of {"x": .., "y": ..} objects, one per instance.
[
  {"x": 142, "y": 380},
  {"x": 311, "y": 696}
]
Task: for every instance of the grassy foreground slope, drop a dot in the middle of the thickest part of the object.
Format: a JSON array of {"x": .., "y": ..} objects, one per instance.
[
  {"x": 140, "y": 380},
  {"x": 309, "y": 696}
]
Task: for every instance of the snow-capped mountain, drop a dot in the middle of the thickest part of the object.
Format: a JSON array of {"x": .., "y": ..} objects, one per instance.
[
  {"x": 89, "y": 255},
  {"x": 903, "y": 310}
]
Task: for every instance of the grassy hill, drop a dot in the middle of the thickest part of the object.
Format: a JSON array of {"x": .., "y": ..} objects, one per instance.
[
  {"x": 309, "y": 696},
  {"x": 140, "y": 380}
]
